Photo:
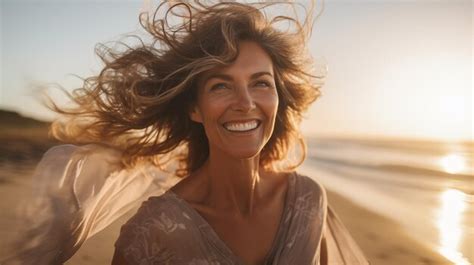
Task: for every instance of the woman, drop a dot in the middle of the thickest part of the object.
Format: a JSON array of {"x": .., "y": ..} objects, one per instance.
[
  {"x": 233, "y": 207},
  {"x": 220, "y": 93}
]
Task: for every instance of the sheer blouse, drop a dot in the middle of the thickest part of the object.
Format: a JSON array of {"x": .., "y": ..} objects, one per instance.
[{"x": 167, "y": 230}]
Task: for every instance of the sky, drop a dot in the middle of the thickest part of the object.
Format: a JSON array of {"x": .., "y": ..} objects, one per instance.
[{"x": 395, "y": 68}]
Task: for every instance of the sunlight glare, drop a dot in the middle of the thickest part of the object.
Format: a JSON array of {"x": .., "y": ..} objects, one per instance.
[
  {"x": 453, "y": 163},
  {"x": 453, "y": 205}
]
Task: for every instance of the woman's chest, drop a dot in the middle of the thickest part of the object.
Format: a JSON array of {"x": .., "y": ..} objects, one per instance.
[{"x": 250, "y": 238}]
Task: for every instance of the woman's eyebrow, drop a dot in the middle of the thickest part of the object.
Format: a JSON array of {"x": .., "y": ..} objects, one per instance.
[
  {"x": 259, "y": 74},
  {"x": 229, "y": 77}
]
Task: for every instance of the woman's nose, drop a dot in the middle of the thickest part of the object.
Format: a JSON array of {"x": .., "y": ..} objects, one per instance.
[{"x": 244, "y": 100}]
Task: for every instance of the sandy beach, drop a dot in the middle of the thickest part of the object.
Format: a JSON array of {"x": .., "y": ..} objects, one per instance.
[{"x": 382, "y": 240}]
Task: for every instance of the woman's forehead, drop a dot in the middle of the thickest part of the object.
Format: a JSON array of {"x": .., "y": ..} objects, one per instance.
[{"x": 252, "y": 60}]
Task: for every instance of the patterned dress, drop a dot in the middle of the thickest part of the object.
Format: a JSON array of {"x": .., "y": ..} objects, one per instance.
[{"x": 167, "y": 230}]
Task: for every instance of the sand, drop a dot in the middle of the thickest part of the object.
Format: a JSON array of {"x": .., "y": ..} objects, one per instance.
[{"x": 382, "y": 240}]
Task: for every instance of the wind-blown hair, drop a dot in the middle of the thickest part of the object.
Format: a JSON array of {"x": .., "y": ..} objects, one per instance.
[{"x": 141, "y": 99}]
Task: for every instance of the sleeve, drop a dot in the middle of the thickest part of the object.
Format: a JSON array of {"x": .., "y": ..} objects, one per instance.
[
  {"x": 140, "y": 242},
  {"x": 134, "y": 237},
  {"x": 338, "y": 246},
  {"x": 76, "y": 192},
  {"x": 306, "y": 207}
]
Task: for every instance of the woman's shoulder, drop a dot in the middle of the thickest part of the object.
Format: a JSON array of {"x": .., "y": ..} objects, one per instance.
[
  {"x": 309, "y": 188},
  {"x": 155, "y": 216},
  {"x": 307, "y": 183},
  {"x": 158, "y": 226}
]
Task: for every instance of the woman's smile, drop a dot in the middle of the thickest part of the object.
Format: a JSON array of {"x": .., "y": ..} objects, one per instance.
[{"x": 242, "y": 126}]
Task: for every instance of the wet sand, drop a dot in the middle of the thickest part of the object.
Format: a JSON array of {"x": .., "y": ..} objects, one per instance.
[{"x": 382, "y": 240}]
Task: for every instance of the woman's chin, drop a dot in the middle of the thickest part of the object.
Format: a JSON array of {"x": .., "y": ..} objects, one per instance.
[{"x": 244, "y": 153}]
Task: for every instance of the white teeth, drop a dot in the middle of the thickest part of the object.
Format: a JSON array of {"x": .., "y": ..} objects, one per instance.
[{"x": 241, "y": 126}]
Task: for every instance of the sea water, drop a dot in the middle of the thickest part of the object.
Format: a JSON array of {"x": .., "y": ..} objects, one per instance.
[{"x": 426, "y": 186}]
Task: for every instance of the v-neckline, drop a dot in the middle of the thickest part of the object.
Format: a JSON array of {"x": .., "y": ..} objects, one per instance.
[{"x": 204, "y": 224}]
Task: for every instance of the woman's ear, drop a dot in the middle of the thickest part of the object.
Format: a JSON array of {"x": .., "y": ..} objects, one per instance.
[{"x": 195, "y": 114}]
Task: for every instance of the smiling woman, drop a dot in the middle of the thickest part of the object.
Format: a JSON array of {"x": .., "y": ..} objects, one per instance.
[{"x": 222, "y": 95}]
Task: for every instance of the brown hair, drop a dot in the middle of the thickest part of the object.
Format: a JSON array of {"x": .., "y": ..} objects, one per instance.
[{"x": 140, "y": 101}]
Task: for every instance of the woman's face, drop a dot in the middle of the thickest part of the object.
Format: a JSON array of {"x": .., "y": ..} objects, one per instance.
[{"x": 237, "y": 104}]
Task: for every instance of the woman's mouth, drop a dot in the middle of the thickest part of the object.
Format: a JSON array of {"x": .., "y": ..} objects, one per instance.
[{"x": 242, "y": 126}]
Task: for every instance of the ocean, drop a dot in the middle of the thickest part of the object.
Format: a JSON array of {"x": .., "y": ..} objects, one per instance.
[{"x": 425, "y": 186}]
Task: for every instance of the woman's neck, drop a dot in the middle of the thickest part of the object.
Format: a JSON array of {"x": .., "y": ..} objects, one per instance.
[{"x": 233, "y": 184}]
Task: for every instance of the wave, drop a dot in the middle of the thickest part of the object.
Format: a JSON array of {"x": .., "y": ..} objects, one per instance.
[{"x": 399, "y": 168}]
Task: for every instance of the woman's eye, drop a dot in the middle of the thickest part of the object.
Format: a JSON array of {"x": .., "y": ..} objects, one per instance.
[
  {"x": 263, "y": 84},
  {"x": 218, "y": 86}
]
